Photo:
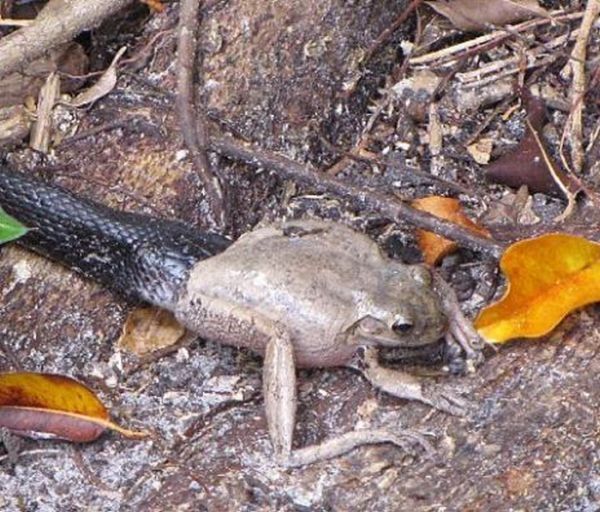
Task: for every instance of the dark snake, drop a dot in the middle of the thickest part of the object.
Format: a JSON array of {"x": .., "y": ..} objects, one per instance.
[{"x": 134, "y": 255}]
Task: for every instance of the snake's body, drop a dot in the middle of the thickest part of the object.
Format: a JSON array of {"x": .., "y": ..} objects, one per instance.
[{"x": 135, "y": 255}]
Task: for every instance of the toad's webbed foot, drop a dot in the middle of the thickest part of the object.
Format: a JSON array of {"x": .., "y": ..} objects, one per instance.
[
  {"x": 403, "y": 385},
  {"x": 443, "y": 399}
]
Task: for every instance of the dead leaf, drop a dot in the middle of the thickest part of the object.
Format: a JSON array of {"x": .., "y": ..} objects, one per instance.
[
  {"x": 548, "y": 277},
  {"x": 481, "y": 150},
  {"x": 478, "y": 15},
  {"x": 105, "y": 84},
  {"x": 148, "y": 329},
  {"x": 531, "y": 164},
  {"x": 48, "y": 406},
  {"x": 435, "y": 247}
]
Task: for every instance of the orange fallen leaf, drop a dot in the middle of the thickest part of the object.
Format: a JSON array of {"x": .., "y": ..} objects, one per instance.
[
  {"x": 48, "y": 406},
  {"x": 548, "y": 277},
  {"x": 435, "y": 247},
  {"x": 154, "y": 5}
]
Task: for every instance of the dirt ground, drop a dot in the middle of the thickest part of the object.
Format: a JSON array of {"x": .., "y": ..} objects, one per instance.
[{"x": 308, "y": 80}]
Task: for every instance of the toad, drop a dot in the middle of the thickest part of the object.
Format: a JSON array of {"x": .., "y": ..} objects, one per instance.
[{"x": 304, "y": 293}]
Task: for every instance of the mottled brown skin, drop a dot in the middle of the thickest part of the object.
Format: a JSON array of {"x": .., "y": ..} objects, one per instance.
[
  {"x": 328, "y": 285},
  {"x": 317, "y": 294}
]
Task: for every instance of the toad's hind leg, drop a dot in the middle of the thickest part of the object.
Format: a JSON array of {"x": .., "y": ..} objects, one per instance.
[
  {"x": 279, "y": 385},
  {"x": 236, "y": 324}
]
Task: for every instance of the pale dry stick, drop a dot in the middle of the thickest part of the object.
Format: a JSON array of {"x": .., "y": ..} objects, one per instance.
[
  {"x": 545, "y": 61},
  {"x": 510, "y": 65},
  {"x": 574, "y": 127},
  {"x": 44, "y": 452},
  {"x": 192, "y": 120},
  {"x": 8, "y": 22},
  {"x": 59, "y": 22},
  {"x": 435, "y": 135},
  {"x": 42, "y": 127},
  {"x": 494, "y": 38},
  {"x": 593, "y": 138}
]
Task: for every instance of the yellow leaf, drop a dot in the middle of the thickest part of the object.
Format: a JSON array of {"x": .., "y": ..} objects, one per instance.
[
  {"x": 548, "y": 277},
  {"x": 49, "y": 391}
]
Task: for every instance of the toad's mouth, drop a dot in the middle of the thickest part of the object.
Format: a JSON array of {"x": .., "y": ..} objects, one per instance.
[
  {"x": 394, "y": 342},
  {"x": 429, "y": 353}
]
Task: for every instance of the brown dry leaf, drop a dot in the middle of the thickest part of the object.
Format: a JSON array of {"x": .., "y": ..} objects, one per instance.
[
  {"x": 478, "y": 15},
  {"x": 531, "y": 164},
  {"x": 435, "y": 247},
  {"x": 105, "y": 84},
  {"x": 148, "y": 329},
  {"x": 548, "y": 277},
  {"x": 481, "y": 150},
  {"x": 47, "y": 406}
]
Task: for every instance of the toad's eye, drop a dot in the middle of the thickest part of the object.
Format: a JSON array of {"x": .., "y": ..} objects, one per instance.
[{"x": 402, "y": 326}]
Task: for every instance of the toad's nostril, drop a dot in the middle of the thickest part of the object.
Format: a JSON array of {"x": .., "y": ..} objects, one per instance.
[{"x": 402, "y": 326}]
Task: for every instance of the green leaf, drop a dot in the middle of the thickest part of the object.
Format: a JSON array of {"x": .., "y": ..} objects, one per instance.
[{"x": 10, "y": 228}]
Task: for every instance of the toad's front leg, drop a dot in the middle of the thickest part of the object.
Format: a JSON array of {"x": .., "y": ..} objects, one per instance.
[
  {"x": 403, "y": 385},
  {"x": 461, "y": 333}
]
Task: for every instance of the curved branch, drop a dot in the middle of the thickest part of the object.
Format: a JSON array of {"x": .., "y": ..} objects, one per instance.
[{"x": 59, "y": 22}]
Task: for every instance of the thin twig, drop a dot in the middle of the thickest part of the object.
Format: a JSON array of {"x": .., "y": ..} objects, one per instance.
[
  {"x": 389, "y": 31},
  {"x": 111, "y": 125},
  {"x": 59, "y": 22},
  {"x": 360, "y": 198},
  {"x": 8, "y": 22},
  {"x": 498, "y": 69},
  {"x": 487, "y": 41},
  {"x": 418, "y": 175},
  {"x": 574, "y": 127},
  {"x": 192, "y": 120}
]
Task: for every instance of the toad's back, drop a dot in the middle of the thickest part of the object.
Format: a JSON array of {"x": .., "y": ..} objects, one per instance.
[{"x": 307, "y": 274}]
